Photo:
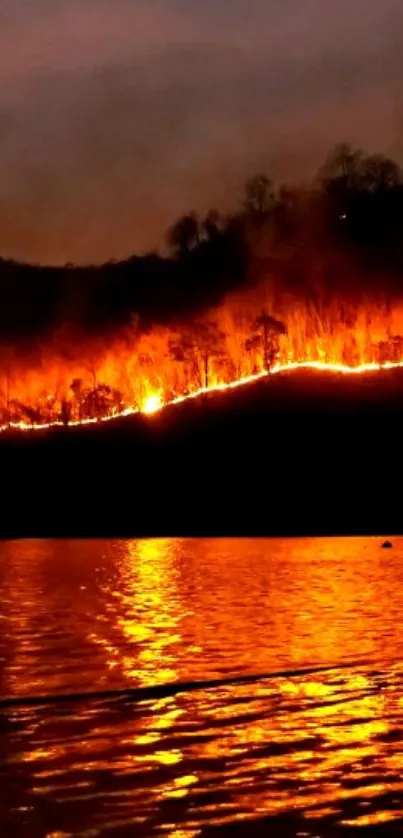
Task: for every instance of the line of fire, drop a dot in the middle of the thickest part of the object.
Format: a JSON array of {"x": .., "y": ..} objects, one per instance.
[{"x": 296, "y": 277}]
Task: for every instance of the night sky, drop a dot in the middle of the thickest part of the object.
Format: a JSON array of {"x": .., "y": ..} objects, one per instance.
[{"x": 117, "y": 115}]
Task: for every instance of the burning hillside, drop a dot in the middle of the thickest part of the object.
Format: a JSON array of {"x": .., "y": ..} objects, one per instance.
[
  {"x": 231, "y": 347},
  {"x": 284, "y": 282}
]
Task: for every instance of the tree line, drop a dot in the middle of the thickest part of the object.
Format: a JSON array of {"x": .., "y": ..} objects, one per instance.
[
  {"x": 353, "y": 210},
  {"x": 336, "y": 238},
  {"x": 194, "y": 356}
]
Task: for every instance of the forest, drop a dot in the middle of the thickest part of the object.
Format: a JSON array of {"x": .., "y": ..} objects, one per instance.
[{"x": 295, "y": 273}]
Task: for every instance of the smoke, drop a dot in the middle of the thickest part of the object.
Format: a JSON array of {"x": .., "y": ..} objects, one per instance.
[{"x": 117, "y": 117}]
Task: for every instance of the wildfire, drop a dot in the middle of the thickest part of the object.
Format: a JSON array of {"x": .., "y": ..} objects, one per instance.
[
  {"x": 152, "y": 405},
  {"x": 232, "y": 346},
  {"x": 155, "y": 402}
]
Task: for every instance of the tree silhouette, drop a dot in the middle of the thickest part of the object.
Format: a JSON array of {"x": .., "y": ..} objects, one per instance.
[
  {"x": 210, "y": 342},
  {"x": 76, "y": 387},
  {"x": 100, "y": 401},
  {"x": 183, "y": 236},
  {"x": 65, "y": 412},
  {"x": 201, "y": 342},
  {"x": 267, "y": 338},
  {"x": 351, "y": 179},
  {"x": 212, "y": 225},
  {"x": 7, "y": 357},
  {"x": 343, "y": 164},
  {"x": 259, "y": 196},
  {"x": 380, "y": 173}
]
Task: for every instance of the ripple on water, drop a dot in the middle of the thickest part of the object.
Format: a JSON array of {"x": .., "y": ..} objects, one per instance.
[{"x": 317, "y": 753}]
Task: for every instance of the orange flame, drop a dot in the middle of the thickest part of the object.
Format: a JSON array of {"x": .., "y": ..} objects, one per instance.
[
  {"x": 155, "y": 403},
  {"x": 145, "y": 373},
  {"x": 152, "y": 404}
]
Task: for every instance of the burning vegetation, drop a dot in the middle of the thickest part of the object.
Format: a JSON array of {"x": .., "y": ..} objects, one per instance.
[
  {"x": 296, "y": 276},
  {"x": 230, "y": 347}
]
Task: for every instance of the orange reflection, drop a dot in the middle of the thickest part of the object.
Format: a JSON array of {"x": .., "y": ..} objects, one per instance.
[
  {"x": 149, "y": 612},
  {"x": 314, "y": 598},
  {"x": 311, "y": 747}
]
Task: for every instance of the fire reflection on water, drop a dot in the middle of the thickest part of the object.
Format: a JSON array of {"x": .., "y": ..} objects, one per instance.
[
  {"x": 320, "y": 749},
  {"x": 151, "y": 611},
  {"x": 148, "y": 613}
]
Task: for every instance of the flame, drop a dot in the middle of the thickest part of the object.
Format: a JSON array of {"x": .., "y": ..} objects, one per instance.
[
  {"x": 152, "y": 404},
  {"x": 155, "y": 403},
  {"x": 144, "y": 373}
]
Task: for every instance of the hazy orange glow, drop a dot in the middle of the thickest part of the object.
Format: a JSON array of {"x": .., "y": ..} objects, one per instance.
[
  {"x": 142, "y": 373},
  {"x": 170, "y": 611}
]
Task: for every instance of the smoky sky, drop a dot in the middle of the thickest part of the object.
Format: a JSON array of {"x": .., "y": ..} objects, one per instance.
[{"x": 118, "y": 115}]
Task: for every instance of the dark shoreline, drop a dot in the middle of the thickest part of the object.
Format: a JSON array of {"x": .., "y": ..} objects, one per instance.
[{"x": 305, "y": 453}]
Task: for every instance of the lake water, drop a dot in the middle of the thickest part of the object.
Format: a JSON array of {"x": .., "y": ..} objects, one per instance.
[{"x": 175, "y": 738}]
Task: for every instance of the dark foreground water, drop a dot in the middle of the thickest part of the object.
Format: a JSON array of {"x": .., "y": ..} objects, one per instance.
[{"x": 319, "y": 753}]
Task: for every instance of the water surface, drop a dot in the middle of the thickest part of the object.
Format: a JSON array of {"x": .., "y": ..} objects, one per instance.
[{"x": 317, "y": 753}]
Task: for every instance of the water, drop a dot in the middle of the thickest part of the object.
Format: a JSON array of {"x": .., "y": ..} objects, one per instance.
[{"x": 309, "y": 754}]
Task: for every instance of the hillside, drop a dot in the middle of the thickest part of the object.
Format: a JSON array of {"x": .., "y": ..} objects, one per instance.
[
  {"x": 39, "y": 302},
  {"x": 305, "y": 452}
]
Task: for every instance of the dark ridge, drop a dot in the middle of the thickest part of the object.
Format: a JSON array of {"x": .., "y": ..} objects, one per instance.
[
  {"x": 304, "y": 453},
  {"x": 339, "y": 236},
  {"x": 36, "y": 302}
]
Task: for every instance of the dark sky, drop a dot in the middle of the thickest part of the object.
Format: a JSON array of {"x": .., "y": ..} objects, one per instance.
[{"x": 117, "y": 115}]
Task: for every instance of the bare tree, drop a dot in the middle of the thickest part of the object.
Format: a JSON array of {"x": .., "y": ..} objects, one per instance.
[
  {"x": 348, "y": 171},
  {"x": 65, "y": 412},
  {"x": 343, "y": 163},
  {"x": 380, "y": 172},
  {"x": 267, "y": 337},
  {"x": 76, "y": 387},
  {"x": 7, "y": 357},
  {"x": 210, "y": 342},
  {"x": 184, "y": 235},
  {"x": 203, "y": 340},
  {"x": 212, "y": 225},
  {"x": 259, "y": 196}
]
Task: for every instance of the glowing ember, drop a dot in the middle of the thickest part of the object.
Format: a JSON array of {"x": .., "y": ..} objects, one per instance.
[{"x": 152, "y": 405}]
